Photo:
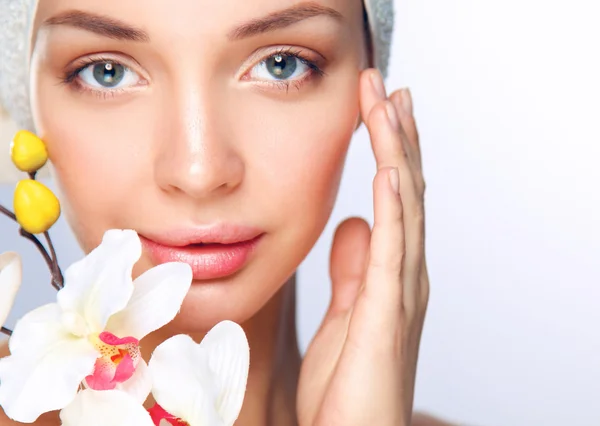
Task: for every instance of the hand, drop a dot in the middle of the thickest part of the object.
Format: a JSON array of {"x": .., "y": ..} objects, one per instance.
[{"x": 360, "y": 368}]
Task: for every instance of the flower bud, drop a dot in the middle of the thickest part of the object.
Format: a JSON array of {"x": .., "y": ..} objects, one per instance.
[
  {"x": 28, "y": 152},
  {"x": 36, "y": 207}
]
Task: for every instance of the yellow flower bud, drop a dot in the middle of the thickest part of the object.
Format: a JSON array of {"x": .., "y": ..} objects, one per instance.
[
  {"x": 36, "y": 207},
  {"x": 28, "y": 152}
]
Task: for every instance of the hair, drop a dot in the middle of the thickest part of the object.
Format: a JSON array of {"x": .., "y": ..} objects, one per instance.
[{"x": 368, "y": 38}]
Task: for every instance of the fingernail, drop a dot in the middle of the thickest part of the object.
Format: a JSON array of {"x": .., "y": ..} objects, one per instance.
[
  {"x": 392, "y": 115},
  {"x": 394, "y": 180},
  {"x": 407, "y": 103},
  {"x": 377, "y": 82}
]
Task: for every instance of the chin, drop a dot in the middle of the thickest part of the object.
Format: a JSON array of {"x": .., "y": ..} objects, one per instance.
[
  {"x": 201, "y": 311},
  {"x": 237, "y": 298}
]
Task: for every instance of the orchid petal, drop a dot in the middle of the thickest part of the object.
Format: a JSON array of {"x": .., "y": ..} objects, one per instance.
[
  {"x": 204, "y": 413},
  {"x": 10, "y": 281},
  {"x": 229, "y": 360},
  {"x": 125, "y": 369},
  {"x": 100, "y": 284},
  {"x": 161, "y": 417},
  {"x": 183, "y": 383},
  {"x": 140, "y": 384},
  {"x": 102, "y": 377},
  {"x": 157, "y": 298},
  {"x": 45, "y": 368},
  {"x": 117, "y": 362},
  {"x": 99, "y": 408},
  {"x": 37, "y": 330},
  {"x": 112, "y": 340}
]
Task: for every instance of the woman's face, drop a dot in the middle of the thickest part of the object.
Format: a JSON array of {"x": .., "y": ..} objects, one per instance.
[{"x": 216, "y": 129}]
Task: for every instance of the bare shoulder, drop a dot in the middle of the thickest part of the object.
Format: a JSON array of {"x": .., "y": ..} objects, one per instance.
[
  {"x": 4, "y": 348},
  {"x": 420, "y": 419}
]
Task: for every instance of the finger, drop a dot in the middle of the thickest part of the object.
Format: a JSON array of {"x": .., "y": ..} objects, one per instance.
[
  {"x": 402, "y": 101},
  {"x": 424, "y": 288},
  {"x": 383, "y": 125},
  {"x": 347, "y": 264},
  {"x": 386, "y": 254},
  {"x": 372, "y": 91},
  {"x": 410, "y": 149}
]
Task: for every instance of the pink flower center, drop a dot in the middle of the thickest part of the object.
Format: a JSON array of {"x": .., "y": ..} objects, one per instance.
[
  {"x": 160, "y": 417},
  {"x": 117, "y": 362}
]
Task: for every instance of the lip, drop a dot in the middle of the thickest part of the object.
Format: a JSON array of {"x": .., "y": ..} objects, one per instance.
[{"x": 212, "y": 252}]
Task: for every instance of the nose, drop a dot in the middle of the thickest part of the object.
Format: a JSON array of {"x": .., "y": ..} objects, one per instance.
[{"x": 197, "y": 154}]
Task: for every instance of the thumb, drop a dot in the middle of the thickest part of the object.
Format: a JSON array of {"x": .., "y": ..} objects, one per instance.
[{"x": 348, "y": 262}]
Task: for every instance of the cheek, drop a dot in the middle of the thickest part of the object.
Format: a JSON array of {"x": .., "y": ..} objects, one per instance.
[
  {"x": 96, "y": 160},
  {"x": 313, "y": 170},
  {"x": 303, "y": 147}
]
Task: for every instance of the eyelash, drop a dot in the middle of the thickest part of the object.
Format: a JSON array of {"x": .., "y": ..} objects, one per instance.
[
  {"x": 315, "y": 69},
  {"x": 70, "y": 77}
]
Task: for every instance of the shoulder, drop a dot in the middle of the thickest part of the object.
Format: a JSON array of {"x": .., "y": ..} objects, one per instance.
[
  {"x": 420, "y": 419},
  {"x": 4, "y": 348}
]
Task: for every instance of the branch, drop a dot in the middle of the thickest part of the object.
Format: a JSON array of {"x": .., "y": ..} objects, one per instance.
[
  {"x": 57, "y": 276},
  {"x": 7, "y": 212},
  {"x": 42, "y": 250},
  {"x": 51, "y": 260}
]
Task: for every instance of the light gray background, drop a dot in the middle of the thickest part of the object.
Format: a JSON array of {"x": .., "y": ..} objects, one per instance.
[{"x": 506, "y": 96}]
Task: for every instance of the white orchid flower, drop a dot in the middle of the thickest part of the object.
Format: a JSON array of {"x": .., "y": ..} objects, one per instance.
[
  {"x": 92, "y": 333},
  {"x": 99, "y": 408},
  {"x": 195, "y": 385},
  {"x": 10, "y": 281},
  {"x": 200, "y": 385}
]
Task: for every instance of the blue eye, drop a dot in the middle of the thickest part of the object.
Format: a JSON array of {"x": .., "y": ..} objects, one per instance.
[
  {"x": 280, "y": 67},
  {"x": 108, "y": 75}
]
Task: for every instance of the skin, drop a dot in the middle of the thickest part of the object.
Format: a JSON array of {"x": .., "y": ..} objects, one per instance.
[{"x": 200, "y": 139}]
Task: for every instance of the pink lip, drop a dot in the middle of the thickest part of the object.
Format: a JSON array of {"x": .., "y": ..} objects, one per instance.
[{"x": 212, "y": 252}]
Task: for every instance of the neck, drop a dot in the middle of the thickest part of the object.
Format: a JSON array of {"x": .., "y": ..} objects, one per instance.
[{"x": 274, "y": 361}]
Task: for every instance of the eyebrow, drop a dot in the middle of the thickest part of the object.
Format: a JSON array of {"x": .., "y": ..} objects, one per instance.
[
  {"x": 118, "y": 30},
  {"x": 283, "y": 18},
  {"x": 99, "y": 24}
]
